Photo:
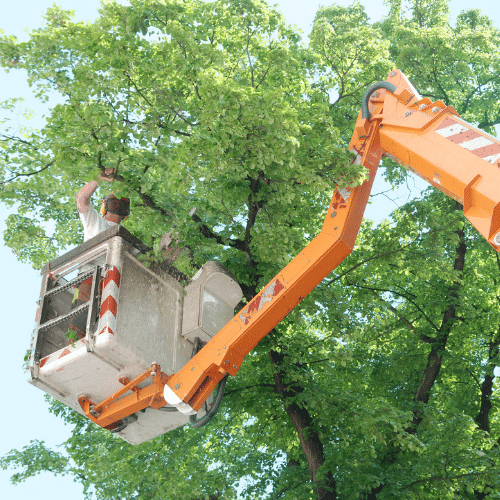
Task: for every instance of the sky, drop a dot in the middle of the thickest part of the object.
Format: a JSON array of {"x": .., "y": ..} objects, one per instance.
[{"x": 25, "y": 414}]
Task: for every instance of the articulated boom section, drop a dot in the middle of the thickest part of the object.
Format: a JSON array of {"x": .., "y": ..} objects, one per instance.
[{"x": 426, "y": 137}]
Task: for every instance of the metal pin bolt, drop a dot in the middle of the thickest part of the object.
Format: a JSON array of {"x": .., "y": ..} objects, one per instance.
[
  {"x": 496, "y": 239},
  {"x": 177, "y": 386},
  {"x": 192, "y": 369},
  {"x": 375, "y": 94},
  {"x": 234, "y": 366},
  {"x": 153, "y": 374},
  {"x": 333, "y": 214},
  {"x": 435, "y": 109},
  {"x": 422, "y": 106},
  {"x": 93, "y": 412},
  {"x": 408, "y": 113},
  {"x": 392, "y": 73},
  {"x": 227, "y": 361}
]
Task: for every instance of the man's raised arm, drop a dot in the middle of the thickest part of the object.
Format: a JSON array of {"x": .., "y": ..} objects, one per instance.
[{"x": 83, "y": 196}]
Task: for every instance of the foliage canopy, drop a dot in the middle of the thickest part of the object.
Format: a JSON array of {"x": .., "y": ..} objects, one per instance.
[{"x": 382, "y": 383}]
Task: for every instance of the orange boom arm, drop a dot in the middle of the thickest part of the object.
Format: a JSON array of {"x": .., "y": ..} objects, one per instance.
[
  {"x": 429, "y": 139},
  {"x": 426, "y": 137}
]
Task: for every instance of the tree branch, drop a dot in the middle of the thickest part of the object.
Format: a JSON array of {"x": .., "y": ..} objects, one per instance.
[
  {"x": 29, "y": 174},
  {"x": 404, "y": 296},
  {"x": 303, "y": 422}
]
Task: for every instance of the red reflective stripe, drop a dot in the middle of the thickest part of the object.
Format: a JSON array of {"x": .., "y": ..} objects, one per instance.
[
  {"x": 104, "y": 330},
  {"x": 464, "y": 136},
  {"x": 277, "y": 288},
  {"x": 446, "y": 123},
  {"x": 113, "y": 275},
  {"x": 257, "y": 303},
  {"x": 254, "y": 305},
  {"x": 339, "y": 201},
  {"x": 109, "y": 304},
  {"x": 485, "y": 151}
]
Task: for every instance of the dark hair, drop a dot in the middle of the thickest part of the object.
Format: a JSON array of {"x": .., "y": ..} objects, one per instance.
[{"x": 117, "y": 206}]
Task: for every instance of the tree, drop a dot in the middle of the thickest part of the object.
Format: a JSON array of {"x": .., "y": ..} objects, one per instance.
[{"x": 381, "y": 384}]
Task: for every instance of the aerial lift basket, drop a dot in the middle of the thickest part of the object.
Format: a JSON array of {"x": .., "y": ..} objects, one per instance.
[{"x": 123, "y": 318}]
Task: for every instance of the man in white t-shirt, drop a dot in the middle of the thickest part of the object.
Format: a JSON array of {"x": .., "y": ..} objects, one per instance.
[{"x": 113, "y": 209}]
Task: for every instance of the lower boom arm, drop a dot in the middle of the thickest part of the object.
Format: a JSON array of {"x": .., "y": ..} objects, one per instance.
[{"x": 226, "y": 351}]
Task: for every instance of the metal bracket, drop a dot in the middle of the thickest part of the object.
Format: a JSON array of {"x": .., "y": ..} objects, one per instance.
[{"x": 93, "y": 315}]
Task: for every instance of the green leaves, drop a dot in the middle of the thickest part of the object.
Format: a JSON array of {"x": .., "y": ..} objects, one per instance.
[{"x": 389, "y": 365}]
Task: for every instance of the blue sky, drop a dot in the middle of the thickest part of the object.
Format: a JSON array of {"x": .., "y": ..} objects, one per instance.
[{"x": 25, "y": 415}]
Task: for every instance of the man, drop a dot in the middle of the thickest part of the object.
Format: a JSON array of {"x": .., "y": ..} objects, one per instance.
[{"x": 113, "y": 209}]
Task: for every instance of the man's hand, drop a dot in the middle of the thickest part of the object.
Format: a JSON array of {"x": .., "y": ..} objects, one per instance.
[{"x": 108, "y": 175}]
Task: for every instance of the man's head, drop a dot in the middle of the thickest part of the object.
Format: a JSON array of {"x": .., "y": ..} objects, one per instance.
[{"x": 115, "y": 209}]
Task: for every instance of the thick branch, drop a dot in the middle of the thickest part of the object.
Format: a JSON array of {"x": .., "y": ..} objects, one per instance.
[
  {"x": 208, "y": 233},
  {"x": 435, "y": 356},
  {"x": 146, "y": 199},
  {"x": 482, "y": 418},
  {"x": 434, "y": 359}
]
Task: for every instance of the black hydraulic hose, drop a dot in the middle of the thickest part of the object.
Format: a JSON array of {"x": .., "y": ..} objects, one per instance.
[
  {"x": 118, "y": 429},
  {"x": 124, "y": 422},
  {"x": 167, "y": 409},
  {"x": 194, "y": 422},
  {"x": 365, "y": 113}
]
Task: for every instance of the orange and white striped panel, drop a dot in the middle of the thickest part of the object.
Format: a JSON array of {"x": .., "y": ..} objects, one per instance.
[
  {"x": 72, "y": 347},
  {"x": 467, "y": 137},
  {"x": 109, "y": 301}
]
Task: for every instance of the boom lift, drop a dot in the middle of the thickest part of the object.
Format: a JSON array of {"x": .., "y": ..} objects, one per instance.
[{"x": 429, "y": 138}]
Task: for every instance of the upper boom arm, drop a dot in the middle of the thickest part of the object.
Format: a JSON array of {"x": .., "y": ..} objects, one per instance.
[
  {"x": 226, "y": 351},
  {"x": 431, "y": 140}
]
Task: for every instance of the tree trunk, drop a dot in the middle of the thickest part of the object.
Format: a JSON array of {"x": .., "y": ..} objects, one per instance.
[{"x": 310, "y": 442}]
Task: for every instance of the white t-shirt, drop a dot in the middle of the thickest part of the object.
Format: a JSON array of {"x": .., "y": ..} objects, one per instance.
[{"x": 93, "y": 223}]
